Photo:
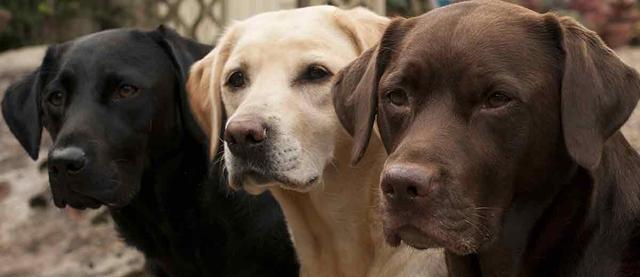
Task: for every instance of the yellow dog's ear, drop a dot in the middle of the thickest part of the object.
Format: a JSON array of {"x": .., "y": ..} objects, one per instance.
[
  {"x": 363, "y": 26},
  {"x": 204, "y": 89},
  {"x": 198, "y": 90}
]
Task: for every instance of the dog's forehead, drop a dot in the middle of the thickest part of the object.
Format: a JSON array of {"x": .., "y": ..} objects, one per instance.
[
  {"x": 476, "y": 12},
  {"x": 295, "y": 20},
  {"x": 109, "y": 55},
  {"x": 300, "y": 30},
  {"x": 481, "y": 25},
  {"x": 478, "y": 37},
  {"x": 280, "y": 42},
  {"x": 121, "y": 47}
]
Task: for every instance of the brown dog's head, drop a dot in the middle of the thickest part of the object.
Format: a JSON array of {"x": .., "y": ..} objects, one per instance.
[{"x": 480, "y": 105}]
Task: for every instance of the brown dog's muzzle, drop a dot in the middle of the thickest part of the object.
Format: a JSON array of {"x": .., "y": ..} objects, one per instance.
[
  {"x": 424, "y": 206},
  {"x": 409, "y": 190}
]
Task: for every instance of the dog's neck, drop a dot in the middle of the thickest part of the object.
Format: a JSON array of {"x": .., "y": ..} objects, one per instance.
[
  {"x": 612, "y": 218},
  {"x": 337, "y": 228},
  {"x": 571, "y": 232},
  {"x": 181, "y": 160},
  {"x": 332, "y": 225}
]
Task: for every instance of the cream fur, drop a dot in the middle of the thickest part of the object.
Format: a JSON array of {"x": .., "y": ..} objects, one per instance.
[{"x": 334, "y": 222}]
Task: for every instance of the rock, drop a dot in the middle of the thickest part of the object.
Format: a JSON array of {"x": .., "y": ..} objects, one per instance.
[
  {"x": 39, "y": 201},
  {"x": 5, "y": 189}
]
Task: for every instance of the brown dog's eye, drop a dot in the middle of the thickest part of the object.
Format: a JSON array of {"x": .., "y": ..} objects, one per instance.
[
  {"x": 125, "y": 91},
  {"x": 315, "y": 73},
  {"x": 398, "y": 97},
  {"x": 496, "y": 100},
  {"x": 237, "y": 80},
  {"x": 56, "y": 98}
]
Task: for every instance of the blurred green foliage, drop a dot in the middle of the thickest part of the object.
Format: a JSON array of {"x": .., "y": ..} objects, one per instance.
[{"x": 28, "y": 22}]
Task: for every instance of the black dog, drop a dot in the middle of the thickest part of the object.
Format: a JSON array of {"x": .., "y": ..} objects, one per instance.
[
  {"x": 502, "y": 128},
  {"x": 114, "y": 105}
]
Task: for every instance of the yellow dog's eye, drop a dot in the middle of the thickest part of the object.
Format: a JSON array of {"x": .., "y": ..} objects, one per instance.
[
  {"x": 315, "y": 73},
  {"x": 237, "y": 80},
  {"x": 124, "y": 91}
]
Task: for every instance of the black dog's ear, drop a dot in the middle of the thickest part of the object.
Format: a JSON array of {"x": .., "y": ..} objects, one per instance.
[
  {"x": 599, "y": 92},
  {"x": 183, "y": 53},
  {"x": 355, "y": 90},
  {"x": 21, "y": 111}
]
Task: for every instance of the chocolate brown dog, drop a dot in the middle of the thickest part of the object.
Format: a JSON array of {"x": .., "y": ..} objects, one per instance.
[{"x": 502, "y": 127}]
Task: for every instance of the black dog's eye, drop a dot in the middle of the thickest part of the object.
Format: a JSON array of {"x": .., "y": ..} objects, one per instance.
[
  {"x": 124, "y": 91},
  {"x": 237, "y": 80},
  {"x": 56, "y": 98},
  {"x": 397, "y": 97},
  {"x": 315, "y": 73},
  {"x": 496, "y": 100}
]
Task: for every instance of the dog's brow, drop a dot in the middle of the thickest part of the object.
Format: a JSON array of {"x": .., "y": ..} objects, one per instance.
[
  {"x": 64, "y": 79},
  {"x": 132, "y": 76},
  {"x": 393, "y": 79}
]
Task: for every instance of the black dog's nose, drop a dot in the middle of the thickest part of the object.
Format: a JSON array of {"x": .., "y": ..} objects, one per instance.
[
  {"x": 68, "y": 160},
  {"x": 407, "y": 183},
  {"x": 245, "y": 131}
]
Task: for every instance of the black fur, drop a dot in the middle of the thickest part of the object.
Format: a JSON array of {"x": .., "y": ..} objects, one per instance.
[{"x": 144, "y": 155}]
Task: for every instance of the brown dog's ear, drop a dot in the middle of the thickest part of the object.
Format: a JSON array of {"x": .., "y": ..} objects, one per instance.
[
  {"x": 599, "y": 92},
  {"x": 355, "y": 87},
  {"x": 204, "y": 91},
  {"x": 355, "y": 100},
  {"x": 365, "y": 28}
]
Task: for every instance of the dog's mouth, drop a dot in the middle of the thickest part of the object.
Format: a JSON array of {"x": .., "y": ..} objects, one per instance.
[
  {"x": 462, "y": 241},
  {"x": 114, "y": 198},
  {"x": 413, "y": 237},
  {"x": 82, "y": 201},
  {"x": 286, "y": 169},
  {"x": 256, "y": 181},
  {"x": 76, "y": 201}
]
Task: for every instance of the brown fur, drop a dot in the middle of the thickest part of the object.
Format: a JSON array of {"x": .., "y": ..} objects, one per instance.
[{"x": 503, "y": 141}]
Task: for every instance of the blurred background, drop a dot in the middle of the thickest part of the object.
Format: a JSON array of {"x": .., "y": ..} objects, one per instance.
[
  {"x": 32, "y": 22},
  {"x": 37, "y": 239}
]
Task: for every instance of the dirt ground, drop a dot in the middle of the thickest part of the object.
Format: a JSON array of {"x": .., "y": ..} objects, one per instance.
[{"x": 37, "y": 239}]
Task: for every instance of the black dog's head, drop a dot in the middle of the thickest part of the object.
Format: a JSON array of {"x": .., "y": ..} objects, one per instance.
[{"x": 111, "y": 101}]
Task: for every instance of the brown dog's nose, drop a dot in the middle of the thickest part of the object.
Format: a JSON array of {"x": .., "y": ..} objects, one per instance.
[
  {"x": 408, "y": 183},
  {"x": 245, "y": 131}
]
